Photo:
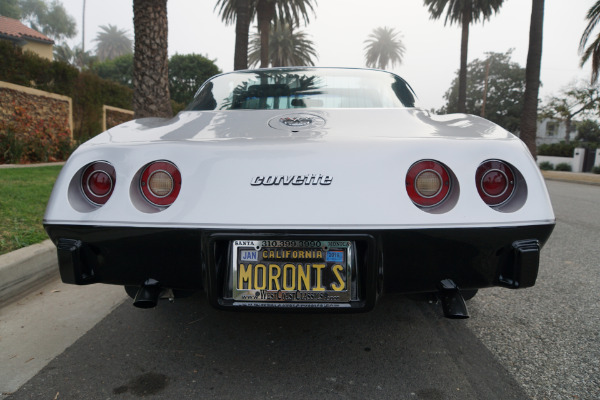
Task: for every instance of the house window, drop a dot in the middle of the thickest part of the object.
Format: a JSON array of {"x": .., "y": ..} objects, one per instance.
[{"x": 551, "y": 128}]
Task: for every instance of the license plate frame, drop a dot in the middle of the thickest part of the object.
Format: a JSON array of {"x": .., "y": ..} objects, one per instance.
[{"x": 292, "y": 273}]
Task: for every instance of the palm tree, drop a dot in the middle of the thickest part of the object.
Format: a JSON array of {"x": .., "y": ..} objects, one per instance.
[
  {"x": 532, "y": 77},
  {"x": 75, "y": 56},
  {"x": 463, "y": 12},
  {"x": 593, "y": 50},
  {"x": 62, "y": 52},
  {"x": 150, "y": 61},
  {"x": 266, "y": 11},
  {"x": 241, "y": 12},
  {"x": 290, "y": 11},
  {"x": 286, "y": 47},
  {"x": 112, "y": 42},
  {"x": 383, "y": 47}
]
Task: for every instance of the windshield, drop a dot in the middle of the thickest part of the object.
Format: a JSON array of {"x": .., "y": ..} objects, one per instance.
[{"x": 279, "y": 89}]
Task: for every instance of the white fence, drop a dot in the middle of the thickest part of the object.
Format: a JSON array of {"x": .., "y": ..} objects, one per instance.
[{"x": 576, "y": 162}]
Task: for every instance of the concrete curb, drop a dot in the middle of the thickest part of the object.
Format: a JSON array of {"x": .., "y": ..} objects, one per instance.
[
  {"x": 32, "y": 165},
  {"x": 23, "y": 269},
  {"x": 576, "y": 177}
]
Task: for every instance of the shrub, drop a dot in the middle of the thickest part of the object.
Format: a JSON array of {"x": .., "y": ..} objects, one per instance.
[
  {"x": 596, "y": 170},
  {"x": 561, "y": 149},
  {"x": 563, "y": 167},
  {"x": 546, "y": 166},
  {"x": 88, "y": 91},
  {"x": 11, "y": 148},
  {"x": 25, "y": 140}
]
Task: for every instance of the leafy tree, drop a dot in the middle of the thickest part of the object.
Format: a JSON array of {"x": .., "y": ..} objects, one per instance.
[
  {"x": 532, "y": 77},
  {"x": 241, "y": 12},
  {"x": 150, "y": 62},
  {"x": 463, "y": 13},
  {"x": 495, "y": 85},
  {"x": 112, "y": 42},
  {"x": 119, "y": 69},
  {"x": 593, "y": 50},
  {"x": 187, "y": 73},
  {"x": 10, "y": 9},
  {"x": 588, "y": 131},
  {"x": 570, "y": 103},
  {"x": 286, "y": 47},
  {"x": 50, "y": 19},
  {"x": 383, "y": 47}
]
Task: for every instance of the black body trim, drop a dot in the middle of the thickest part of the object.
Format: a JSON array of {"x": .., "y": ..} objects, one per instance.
[{"x": 392, "y": 261}]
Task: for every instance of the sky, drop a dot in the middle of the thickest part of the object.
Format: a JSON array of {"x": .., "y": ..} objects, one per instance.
[{"x": 340, "y": 27}]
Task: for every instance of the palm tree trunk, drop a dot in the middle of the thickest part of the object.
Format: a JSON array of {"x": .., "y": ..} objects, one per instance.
[
  {"x": 150, "y": 62},
  {"x": 462, "y": 76},
  {"x": 242, "y": 26},
  {"x": 265, "y": 12},
  {"x": 532, "y": 77}
]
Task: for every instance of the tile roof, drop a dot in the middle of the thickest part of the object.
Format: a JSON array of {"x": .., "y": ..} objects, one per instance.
[{"x": 15, "y": 29}]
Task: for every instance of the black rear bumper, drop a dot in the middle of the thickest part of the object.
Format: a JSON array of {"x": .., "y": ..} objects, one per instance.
[{"x": 392, "y": 261}]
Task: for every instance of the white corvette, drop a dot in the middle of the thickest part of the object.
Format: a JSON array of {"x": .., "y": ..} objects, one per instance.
[{"x": 302, "y": 188}]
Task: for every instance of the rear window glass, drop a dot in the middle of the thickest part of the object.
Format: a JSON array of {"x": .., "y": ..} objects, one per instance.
[{"x": 303, "y": 88}]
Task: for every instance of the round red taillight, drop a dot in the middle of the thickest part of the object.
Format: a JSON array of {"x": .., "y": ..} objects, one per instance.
[
  {"x": 160, "y": 183},
  {"x": 428, "y": 183},
  {"x": 98, "y": 182},
  {"x": 495, "y": 182}
]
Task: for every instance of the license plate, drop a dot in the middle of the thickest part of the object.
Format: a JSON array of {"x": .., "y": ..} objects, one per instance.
[{"x": 292, "y": 271}]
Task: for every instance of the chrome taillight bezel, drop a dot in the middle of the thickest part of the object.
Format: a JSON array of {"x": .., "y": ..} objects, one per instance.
[
  {"x": 504, "y": 171},
  {"x": 96, "y": 169},
  {"x": 416, "y": 171},
  {"x": 150, "y": 170}
]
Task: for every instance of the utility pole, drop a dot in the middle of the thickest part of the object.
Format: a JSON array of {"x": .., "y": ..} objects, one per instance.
[{"x": 83, "y": 29}]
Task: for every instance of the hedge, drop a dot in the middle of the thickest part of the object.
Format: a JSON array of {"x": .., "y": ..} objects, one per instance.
[{"x": 88, "y": 91}]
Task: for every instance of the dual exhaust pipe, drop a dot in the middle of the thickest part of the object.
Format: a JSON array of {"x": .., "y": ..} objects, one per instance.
[
  {"x": 453, "y": 303},
  {"x": 148, "y": 294}
]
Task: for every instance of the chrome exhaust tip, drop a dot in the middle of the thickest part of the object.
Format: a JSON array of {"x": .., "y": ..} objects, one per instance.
[
  {"x": 148, "y": 294},
  {"x": 453, "y": 303}
]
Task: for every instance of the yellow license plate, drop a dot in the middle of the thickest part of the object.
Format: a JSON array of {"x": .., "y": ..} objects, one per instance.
[{"x": 292, "y": 271}]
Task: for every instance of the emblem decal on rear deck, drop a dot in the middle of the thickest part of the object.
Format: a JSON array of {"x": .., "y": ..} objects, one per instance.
[
  {"x": 297, "y": 121},
  {"x": 308, "y": 179}
]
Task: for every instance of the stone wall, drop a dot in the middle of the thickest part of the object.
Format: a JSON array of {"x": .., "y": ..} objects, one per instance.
[
  {"x": 113, "y": 116},
  {"x": 38, "y": 105}
]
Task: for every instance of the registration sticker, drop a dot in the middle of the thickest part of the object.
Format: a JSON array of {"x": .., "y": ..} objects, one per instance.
[
  {"x": 292, "y": 271},
  {"x": 335, "y": 256}
]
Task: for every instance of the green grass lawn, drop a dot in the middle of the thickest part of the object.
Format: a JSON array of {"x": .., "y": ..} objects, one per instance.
[{"x": 24, "y": 193}]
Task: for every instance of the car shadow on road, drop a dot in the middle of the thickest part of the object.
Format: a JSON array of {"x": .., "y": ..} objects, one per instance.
[{"x": 403, "y": 350}]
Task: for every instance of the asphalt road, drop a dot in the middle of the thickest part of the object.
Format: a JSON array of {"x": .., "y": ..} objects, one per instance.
[{"x": 540, "y": 343}]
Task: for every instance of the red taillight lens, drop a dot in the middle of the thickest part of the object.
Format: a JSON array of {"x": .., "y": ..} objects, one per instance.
[
  {"x": 495, "y": 182},
  {"x": 160, "y": 183},
  {"x": 428, "y": 183},
  {"x": 98, "y": 182}
]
